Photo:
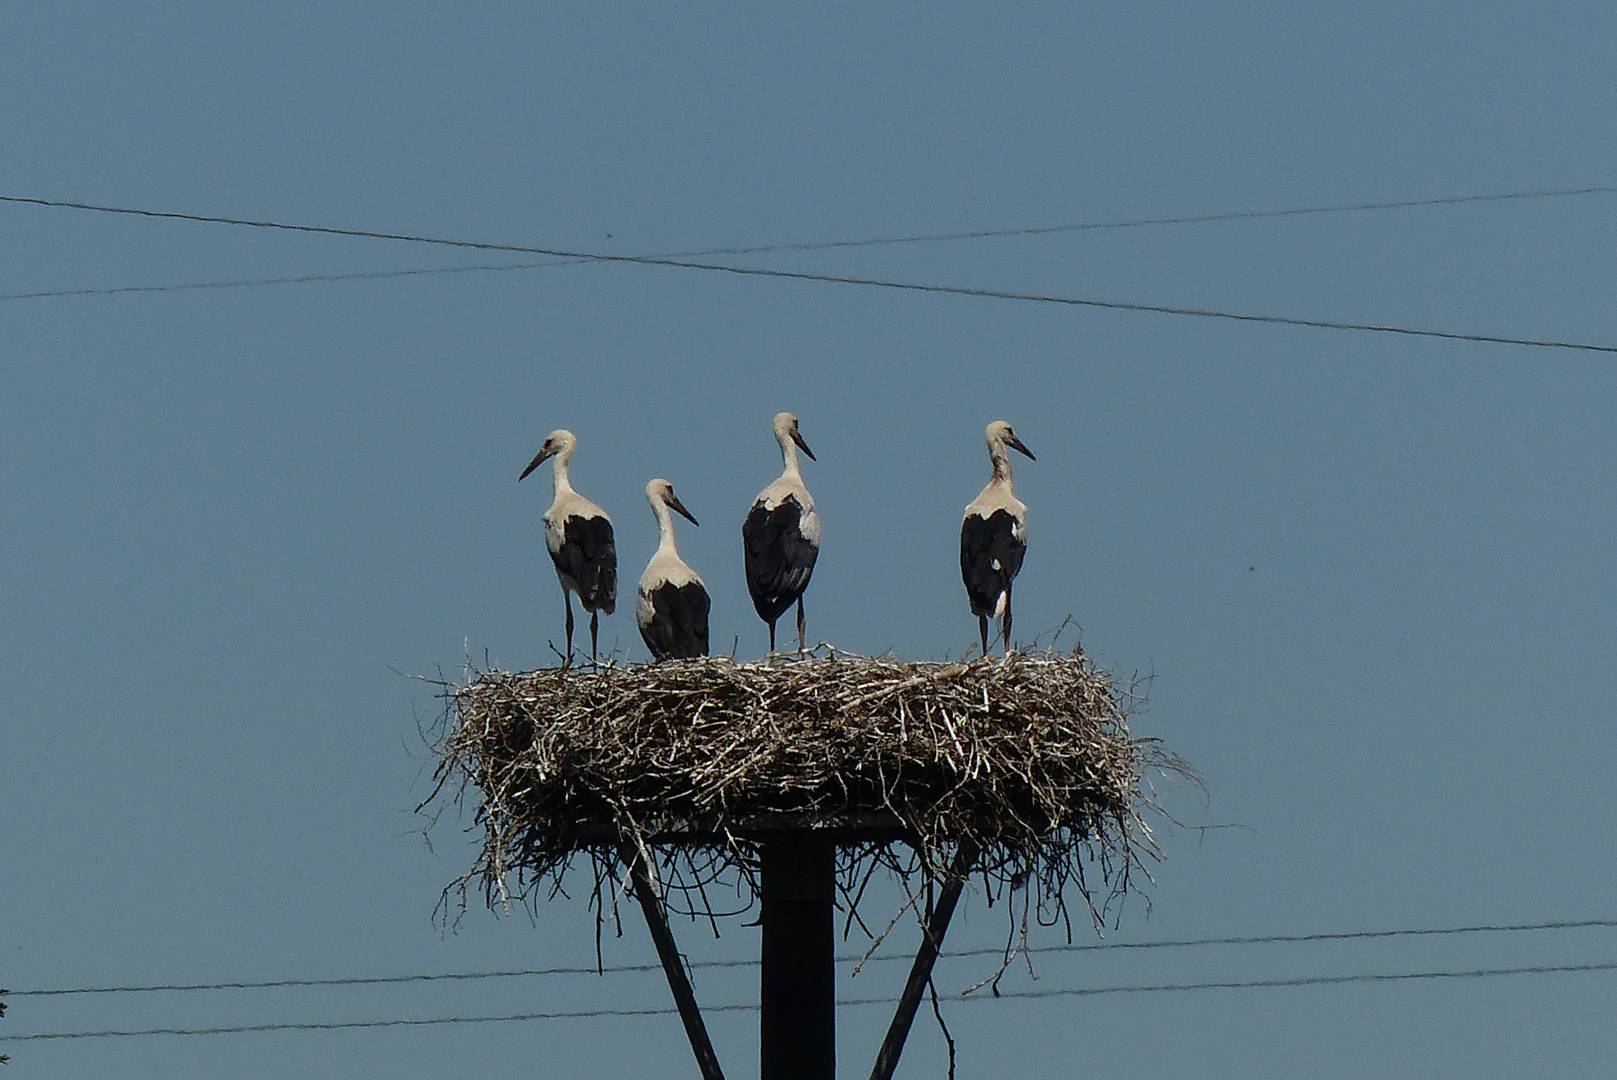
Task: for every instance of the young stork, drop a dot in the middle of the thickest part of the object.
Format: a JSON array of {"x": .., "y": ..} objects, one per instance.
[
  {"x": 578, "y": 535},
  {"x": 782, "y": 536},
  {"x": 993, "y": 538},
  {"x": 672, "y": 604}
]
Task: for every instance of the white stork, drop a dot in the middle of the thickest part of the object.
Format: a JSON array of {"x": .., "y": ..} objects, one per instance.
[
  {"x": 578, "y": 535},
  {"x": 993, "y": 538},
  {"x": 782, "y": 536},
  {"x": 672, "y": 605}
]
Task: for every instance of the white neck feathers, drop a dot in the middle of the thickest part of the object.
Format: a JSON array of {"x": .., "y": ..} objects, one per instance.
[
  {"x": 558, "y": 472},
  {"x": 665, "y": 529},
  {"x": 788, "y": 457}
]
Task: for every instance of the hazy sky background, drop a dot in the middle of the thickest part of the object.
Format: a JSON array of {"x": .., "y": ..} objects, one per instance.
[{"x": 1371, "y": 574}]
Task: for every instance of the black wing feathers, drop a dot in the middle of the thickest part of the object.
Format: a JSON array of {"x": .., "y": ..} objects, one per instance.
[
  {"x": 990, "y": 556},
  {"x": 779, "y": 559},
  {"x": 589, "y": 556},
  {"x": 678, "y": 626}
]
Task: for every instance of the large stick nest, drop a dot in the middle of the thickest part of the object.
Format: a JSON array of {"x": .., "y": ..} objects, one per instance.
[{"x": 1026, "y": 760}]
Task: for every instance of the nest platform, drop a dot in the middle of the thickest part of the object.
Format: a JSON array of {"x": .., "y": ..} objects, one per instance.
[{"x": 1027, "y": 761}]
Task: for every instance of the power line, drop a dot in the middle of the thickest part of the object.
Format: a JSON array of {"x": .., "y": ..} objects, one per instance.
[
  {"x": 338, "y": 1025},
  {"x": 1339, "y": 935},
  {"x": 1310, "y": 980},
  {"x": 1180, "y": 943},
  {"x": 954, "y": 290},
  {"x": 364, "y": 980},
  {"x": 838, "y": 279},
  {"x": 297, "y": 279},
  {"x": 1182, "y": 219},
  {"x": 823, "y": 245},
  {"x": 990, "y": 234},
  {"x": 1093, "y": 991}
]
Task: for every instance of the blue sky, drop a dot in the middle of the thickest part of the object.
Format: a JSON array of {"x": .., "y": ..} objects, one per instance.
[{"x": 1371, "y": 574}]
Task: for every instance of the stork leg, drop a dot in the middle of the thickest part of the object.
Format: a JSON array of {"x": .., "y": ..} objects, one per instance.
[
  {"x": 982, "y": 628},
  {"x": 595, "y": 618},
  {"x": 567, "y": 598},
  {"x": 771, "y": 636},
  {"x": 802, "y": 637},
  {"x": 1005, "y": 624}
]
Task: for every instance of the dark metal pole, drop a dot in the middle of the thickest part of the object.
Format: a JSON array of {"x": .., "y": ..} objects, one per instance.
[
  {"x": 797, "y": 1031},
  {"x": 650, "y": 897},
  {"x": 921, "y": 971}
]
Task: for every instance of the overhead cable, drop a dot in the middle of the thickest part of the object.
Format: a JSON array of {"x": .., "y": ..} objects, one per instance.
[
  {"x": 582, "y": 1014},
  {"x": 824, "y": 245},
  {"x": 1026, "y": 230},
  {"x": 1178, "y": 219},
  {"x": 294, "y": 279},
  {"x": 1180, "y": 943},
  {"x": 839, "y": 279}
]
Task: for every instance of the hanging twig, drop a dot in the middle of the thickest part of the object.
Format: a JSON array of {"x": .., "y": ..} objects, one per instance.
[{"x": 932, "y": 989}]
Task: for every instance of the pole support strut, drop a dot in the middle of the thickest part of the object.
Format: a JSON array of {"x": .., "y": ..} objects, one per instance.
[
  {"x": 936, "y": 925},
  {"x": 638, "y": 857}
]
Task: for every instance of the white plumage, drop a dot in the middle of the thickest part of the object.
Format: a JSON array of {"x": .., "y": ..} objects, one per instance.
[
  {"x": 672, "y": 604},
  {"x": 993, "y": 538},
  {"x": 578, "y": 535},
  {"x": 781, "y": 536}
]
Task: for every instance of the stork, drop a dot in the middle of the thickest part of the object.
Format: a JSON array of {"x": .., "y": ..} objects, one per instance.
[
  {"x": 993, "y": 538},
  {"x": 672, "y": 605},
  {"x": 782, "y": 536},
  {"x": 578, "y": 535}
]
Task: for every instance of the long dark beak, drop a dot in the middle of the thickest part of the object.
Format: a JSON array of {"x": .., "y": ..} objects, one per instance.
[
  {"x": 1013, "y": 441},
  {"x": 534, "y": 464},
  {"x": 675, "y": 504},
  {"x": 803, "y": 446}
]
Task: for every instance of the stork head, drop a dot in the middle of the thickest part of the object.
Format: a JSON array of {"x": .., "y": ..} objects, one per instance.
[
  {"x": 786, "y": 429},
  {"x": 559, "y": 443},
  {"x": 1000, "y": 435},
  {"x": 661, "y": 492}
]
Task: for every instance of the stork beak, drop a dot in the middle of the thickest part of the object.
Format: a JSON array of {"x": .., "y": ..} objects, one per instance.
[
  {"x": 534, "y": 464},
  {"x": 1016, "y": 443},
  {"x": 803, "y": 446},
  {"x": 675, "y": 504}
]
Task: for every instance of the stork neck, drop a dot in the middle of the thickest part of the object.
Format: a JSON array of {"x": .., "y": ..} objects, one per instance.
[
  {"x": 665, "y": 528},
  {"x": 1002, "y": 464},
  {"x": 788, "y": 457},
  {"x": 558, "y": 473}
]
